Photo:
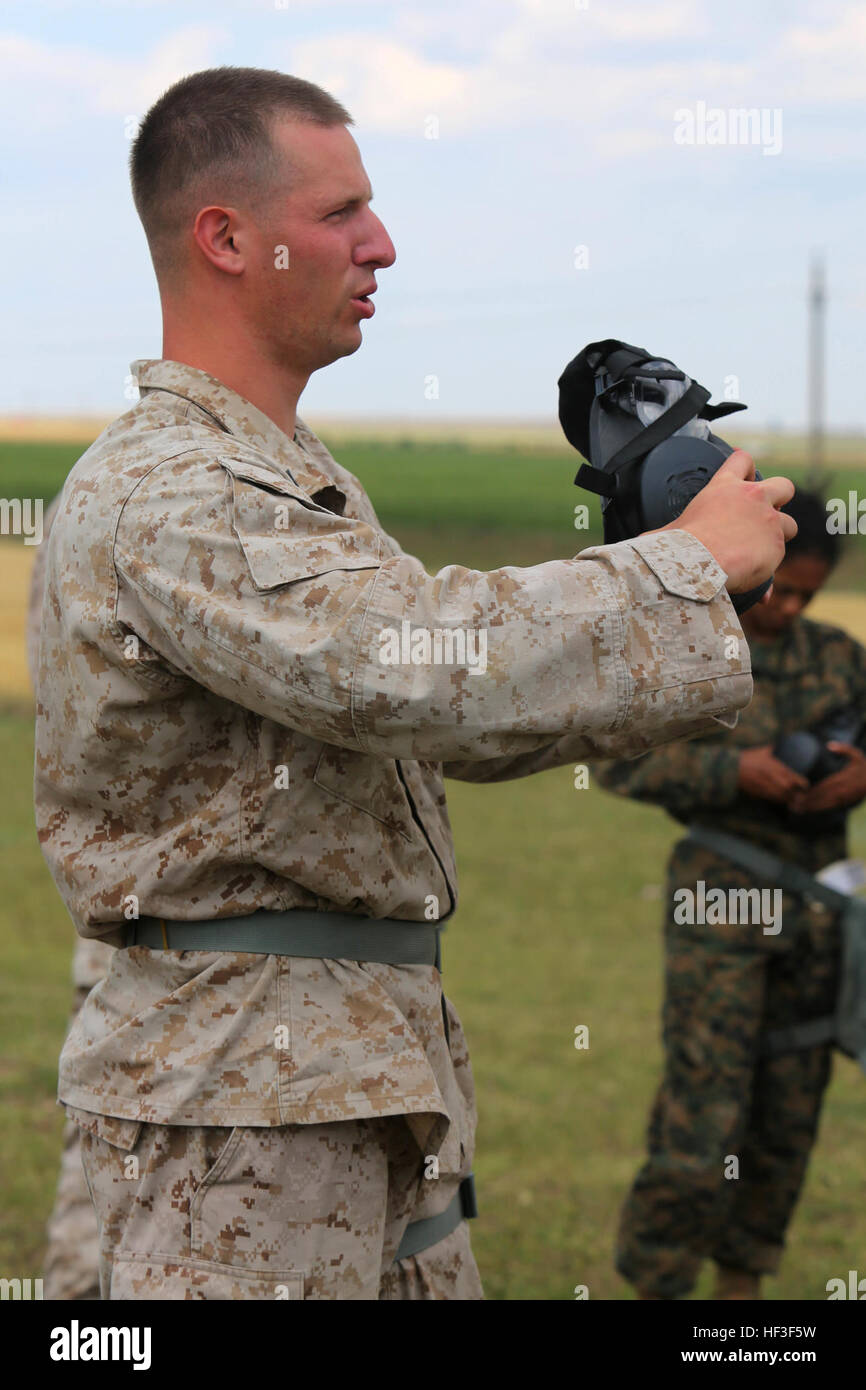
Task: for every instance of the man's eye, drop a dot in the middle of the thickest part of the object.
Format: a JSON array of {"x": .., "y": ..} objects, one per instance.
[{"x": 338, "y": 213}]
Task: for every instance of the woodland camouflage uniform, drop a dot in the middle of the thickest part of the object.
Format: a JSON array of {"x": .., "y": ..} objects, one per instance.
[{"x": 726, "y": 985}]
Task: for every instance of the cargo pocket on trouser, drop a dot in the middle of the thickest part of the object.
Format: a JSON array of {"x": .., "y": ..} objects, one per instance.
[
  {"x": 299, "y": 1206},
  {"x": 163, "y": 1254},
  {"x": 160, "y": 1277}
]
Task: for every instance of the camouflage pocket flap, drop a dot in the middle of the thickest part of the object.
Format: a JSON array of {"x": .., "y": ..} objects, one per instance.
[
  {"x": 263, "y": 476},
  {"x": 121, "y": 1134},
  {"x": 285, "y": 537}
]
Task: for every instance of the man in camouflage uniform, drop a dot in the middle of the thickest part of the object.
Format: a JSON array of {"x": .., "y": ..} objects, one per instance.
[
  {"x": 71, "y": 1265},
  {"x": 728, "y": 986},
  {"x": 224, "y": 756}
]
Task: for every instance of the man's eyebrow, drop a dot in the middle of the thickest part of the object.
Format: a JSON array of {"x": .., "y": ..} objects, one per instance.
[{"x": 352, "y": 201}]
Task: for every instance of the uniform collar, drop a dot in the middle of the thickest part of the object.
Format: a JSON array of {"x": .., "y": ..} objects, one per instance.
[{"x": 304, "y": 458}]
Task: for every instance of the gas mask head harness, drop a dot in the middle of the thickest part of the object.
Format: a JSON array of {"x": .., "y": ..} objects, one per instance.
[{"x": 642, "y": 425}]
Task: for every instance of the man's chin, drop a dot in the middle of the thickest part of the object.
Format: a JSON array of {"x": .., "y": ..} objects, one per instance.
[{"x": 343, "y": 347}]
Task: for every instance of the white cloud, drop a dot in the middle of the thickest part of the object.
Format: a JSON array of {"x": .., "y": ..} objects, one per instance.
[
  {"x": 615, "y": 109},
  {"x": 385, "y": 84},
  {"x": 608, "y": 75},
  {"x": 674, "y": 19},
  {"x": 825, "y": 62},
  {"x": 65, "y": 77},
  {"x": 620, "y": 144}
]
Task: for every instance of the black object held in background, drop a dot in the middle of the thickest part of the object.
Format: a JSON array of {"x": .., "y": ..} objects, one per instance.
[{"x": 806, "y": 751}]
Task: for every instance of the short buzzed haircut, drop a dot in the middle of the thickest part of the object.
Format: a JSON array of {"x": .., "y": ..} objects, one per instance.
[{"x": 210, "y": 135}]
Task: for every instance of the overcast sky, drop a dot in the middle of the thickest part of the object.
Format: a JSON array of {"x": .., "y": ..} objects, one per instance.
[{"x": 585, "y": 181}]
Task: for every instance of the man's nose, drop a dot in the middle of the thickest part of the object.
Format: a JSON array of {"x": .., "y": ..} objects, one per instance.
[{"x": 376, "y": 248}]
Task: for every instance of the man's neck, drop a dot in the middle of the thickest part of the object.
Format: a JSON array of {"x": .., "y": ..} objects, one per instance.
[{"x": 272, "y": 389}]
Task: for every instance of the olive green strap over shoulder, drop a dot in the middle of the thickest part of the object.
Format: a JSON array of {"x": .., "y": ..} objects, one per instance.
[
  {"x": 766, "y": 865},
  {"x": 846, "y": 1028}
]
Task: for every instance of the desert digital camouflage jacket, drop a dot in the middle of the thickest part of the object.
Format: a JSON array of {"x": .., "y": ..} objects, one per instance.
[
  {"x": 809, "y": 673},
  {"x": 216, "y": 733}
]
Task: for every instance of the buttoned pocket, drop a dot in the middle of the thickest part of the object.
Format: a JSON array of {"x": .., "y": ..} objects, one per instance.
[{"x": 285, "y": 536}]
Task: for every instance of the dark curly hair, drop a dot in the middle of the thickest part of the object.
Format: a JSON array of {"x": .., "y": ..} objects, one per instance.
[{"x": 809, "y": 510}]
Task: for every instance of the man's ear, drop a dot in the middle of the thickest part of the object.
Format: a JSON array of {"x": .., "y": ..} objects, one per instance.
[{"x": 216, "y": 234}]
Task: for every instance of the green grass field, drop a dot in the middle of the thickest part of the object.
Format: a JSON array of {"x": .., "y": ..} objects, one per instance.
[
  {"x": 558, "y": 926},
  {"x": 476, "y": 506}
]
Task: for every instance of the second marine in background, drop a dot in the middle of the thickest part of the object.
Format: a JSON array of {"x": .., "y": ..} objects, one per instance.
[{"x": 730, "y": 984}]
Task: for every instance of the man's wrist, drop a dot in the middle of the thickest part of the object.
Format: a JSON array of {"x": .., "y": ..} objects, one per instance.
[{"x": 682, "y": 563}]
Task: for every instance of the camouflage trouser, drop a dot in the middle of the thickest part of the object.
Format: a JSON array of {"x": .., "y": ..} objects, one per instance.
[
  {"x": 718, "y": 1101},
  {"x": 70, "y": 1267},
  {"x": 296, "y": 1211}
]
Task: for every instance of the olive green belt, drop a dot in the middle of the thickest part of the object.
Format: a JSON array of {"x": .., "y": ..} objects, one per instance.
[{"x": 330, "y": 935}]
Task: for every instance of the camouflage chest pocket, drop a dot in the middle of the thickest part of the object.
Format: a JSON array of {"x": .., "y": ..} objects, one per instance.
[{"x": 285, "y": 536}]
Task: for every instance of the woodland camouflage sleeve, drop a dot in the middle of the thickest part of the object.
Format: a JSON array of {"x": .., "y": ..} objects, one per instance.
[{"x": 681, "y": 777}]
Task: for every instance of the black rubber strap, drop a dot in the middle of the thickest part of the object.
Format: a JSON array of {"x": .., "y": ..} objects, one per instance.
[
  {"x": 596, "y": 480},
  {"x": 688, "y": 407},
  {"x": 715, "y": 412}
]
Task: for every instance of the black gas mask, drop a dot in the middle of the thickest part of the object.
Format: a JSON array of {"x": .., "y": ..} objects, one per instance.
[
  {"x": 806, "y": 751},
  {"x": 641, "y": 424}
]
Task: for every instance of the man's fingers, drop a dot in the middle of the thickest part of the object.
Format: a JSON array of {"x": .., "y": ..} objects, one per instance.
[
  {"x": 777, "y": 490},
  {"x": 789, "y": 526},
  {"x": 739, "y": 464},
  {"x": 788, "y": 785},
  {"x": 847, "y": 750}
]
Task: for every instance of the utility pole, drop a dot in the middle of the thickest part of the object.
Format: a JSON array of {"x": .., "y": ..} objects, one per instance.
[{"x": 817, "y": 307}]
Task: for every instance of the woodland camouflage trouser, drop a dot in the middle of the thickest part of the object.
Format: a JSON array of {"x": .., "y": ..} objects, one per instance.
[
  {"x": 719, "y": 1101},
  {"x": 298, "y": 1211}
]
